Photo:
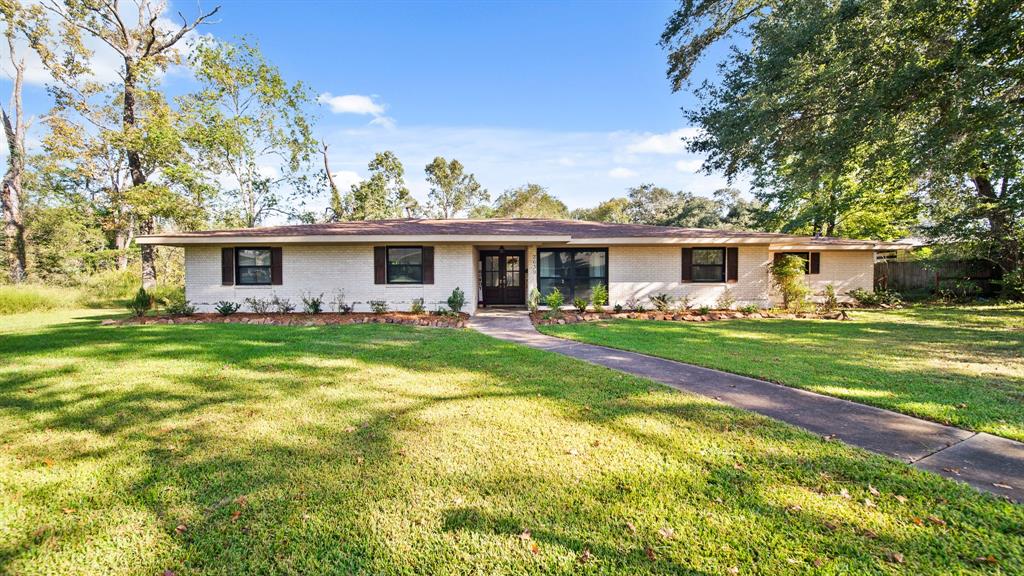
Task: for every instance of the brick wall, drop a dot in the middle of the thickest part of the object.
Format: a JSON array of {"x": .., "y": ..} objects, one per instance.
[
  {"x": 327, "y": 269},
  {"x": 845, "y": 270}
]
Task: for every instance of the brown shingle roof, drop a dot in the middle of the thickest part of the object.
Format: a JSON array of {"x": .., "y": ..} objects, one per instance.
[{"x": 576, "y": 229}]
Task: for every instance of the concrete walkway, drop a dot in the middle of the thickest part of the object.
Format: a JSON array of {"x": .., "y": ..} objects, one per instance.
[{"x": 984, "y": 461}]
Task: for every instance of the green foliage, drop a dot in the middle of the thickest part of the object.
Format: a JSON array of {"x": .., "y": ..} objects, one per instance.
[
  {"x": 281, "y": 305},
  {"x": 726, "y": 300},
  {"x": 110, "y": 286},
  {"x": 141, "y": 303},
  {"x": 378, "y": 306},
  {"x": 599, "y": 297},
  {"x": 452, "y": 190},
  {"x": 226, "y": 308},
  {"x": 634, "y": 304},
  {"x": 788, "y": 277},
  {"x": 312, "y": 304},
  {"x": 958, "y": 290},
  {"x": 615, "y": 210},
  {"x": 579, "y": 304},
  {"x": 417, "y": 306},
  {"x": 749, "y": 308},
  {"x": 830, "y": 302},
  {"x": 704, "y": 310},
  {"x": 685, "y": 302},
  {"x": 175, "y": 304},
  {"x": 867, "y": 299},
  {"x": 457, "y": 300},
  {"x": 382, "y": 195},
  {"x": 617, "y": 308},
  {"x": 554, "y": 301},
  {"x": 258, "y": 305},
  {"x": 1013, "y": 284},
  {"x": 341, "y": 305},
  {"x": 30, "y": 297},
  {"x": 533, "y": 301},
  {"x": 529, "y": 201},
  {"x": 662, "y": 302}
]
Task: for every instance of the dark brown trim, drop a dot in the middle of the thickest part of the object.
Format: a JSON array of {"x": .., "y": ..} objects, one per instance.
[
  {"x": 227, "y": 266},
  {"x": 276, "y": 263},
  {"x": 428, "y": 264},
  {"x": 687, "y": 265},
  {"x": 380, "y": 273},
  {"x": 732, "y": 265},
  {"x": 815, "y": 267}
]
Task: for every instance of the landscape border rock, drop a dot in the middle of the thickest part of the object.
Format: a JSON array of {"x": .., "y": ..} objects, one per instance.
[
  {"x": 298, "y": 319},
  {"x": 567, "y": 317}
]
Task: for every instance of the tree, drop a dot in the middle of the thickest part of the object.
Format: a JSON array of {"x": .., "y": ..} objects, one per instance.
[
  {"x": 245, "y": 117},
  {"x": 739, "y": 213},
  {"x": 145, "y": 48},
  {"x": 452, "y": 190},
  {"x": 528, "y": 201},
  {"x": 336, "y": 208},
  {"x": 383, "y": 195},
  {"x": 614, "y": 210},
  {"x": 650, "y": 204},
  {"x": 840, "y": 102}
]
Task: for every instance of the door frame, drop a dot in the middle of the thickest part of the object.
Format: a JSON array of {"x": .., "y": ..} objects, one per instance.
[{"x": 521, "y": 253}]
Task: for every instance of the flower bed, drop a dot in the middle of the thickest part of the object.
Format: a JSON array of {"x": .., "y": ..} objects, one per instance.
[
  {"x": 567, "y": 317},
  {"x": 325, "y": 319}
]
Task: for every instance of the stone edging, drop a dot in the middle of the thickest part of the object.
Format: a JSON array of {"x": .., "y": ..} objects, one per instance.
[
  {"x": 568, "y": 317},
  {"x": 326, "y": 319}
]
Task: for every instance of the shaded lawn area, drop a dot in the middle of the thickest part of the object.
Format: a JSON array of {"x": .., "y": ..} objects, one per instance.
[
  {"x": 956, "y": 365},
  {"x": 380, "y": 449}
]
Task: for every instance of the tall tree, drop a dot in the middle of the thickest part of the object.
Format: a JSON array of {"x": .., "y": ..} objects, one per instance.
[
  {"x": 384, "y": 194},
  {"x": 145, "y": 48},
  {"x": 529, "y": 201},
  {"x": 252, "y": 127},
  {"x": 452, "y": 190},
  {"x": 738, "y": 212},
  {"x": 832, "y": 95},
  {"x": 336, "y": 208},
  {"x": 615, "y": 210}
]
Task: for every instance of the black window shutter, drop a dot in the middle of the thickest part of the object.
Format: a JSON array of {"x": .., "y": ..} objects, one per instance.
[
  {"x": 227, "y": 266},
  {"x": 778, "y": 257},
  {"x": 428, "y": 264},
  {"x": 815, "y": 262},
  {"x": 380, "y": 265},
  {"x": 687, "y": 264},
  {"x": 732, "y": 264},
  {"x": 276, "y": 276}
]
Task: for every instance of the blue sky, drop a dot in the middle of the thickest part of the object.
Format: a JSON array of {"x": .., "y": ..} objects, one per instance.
[{"x": 570, "y": 95}]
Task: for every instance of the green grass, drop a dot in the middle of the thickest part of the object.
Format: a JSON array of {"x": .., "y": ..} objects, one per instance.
[
  {"x": 957, "y": 365},
  {"x": 108, "y": 289},
  {"x": 382, "y": 449},
  {"x": 30, "y": 297}
]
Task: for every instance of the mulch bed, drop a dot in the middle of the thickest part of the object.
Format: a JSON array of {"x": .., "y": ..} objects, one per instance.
[
  {"x": 301, "y": 319},
  {"x": 540, "y": 319}
]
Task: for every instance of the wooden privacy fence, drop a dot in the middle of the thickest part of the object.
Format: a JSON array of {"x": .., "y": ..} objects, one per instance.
[{"x": 905, "y": 276}]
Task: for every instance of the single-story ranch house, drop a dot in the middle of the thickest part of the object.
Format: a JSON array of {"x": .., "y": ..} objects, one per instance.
[{"x": 498, "y": 262}]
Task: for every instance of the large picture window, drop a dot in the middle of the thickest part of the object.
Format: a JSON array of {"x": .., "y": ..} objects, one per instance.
[
  {"x": 708, "y": 265},
  {"x": 574, "y": 272},
  {"x": 405, "y": 265},
  {"x": 252, "y": 266}
]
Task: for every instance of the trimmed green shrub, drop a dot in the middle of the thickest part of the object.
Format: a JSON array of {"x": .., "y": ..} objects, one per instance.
[
  {"x": 749, "y": 308},
  {"x": 579, "y": 304},
  {"x": 379, "y": 306},
  {"x": 865, "y": 299},
  {"x": 313, "y": 304},
  {"x": 554, "y": 301},
  {"x": 662, "y": 302},
  {"x": 788, "y": 276},
  {"x": 599, "y": 298},
  {"x": 830, "y": 301},
  {"x": 417, "y": 306},
  {"x": 282, "y": 305},
  {"x": 457, "y": 300},
  {"x": 225, "y": 308},
  {"x": 177, "y": 305},
  {"x": 617, "y": 308},
  {"x": 141, "y": 303},
  {"x": 258, "y": 305},
  {"x": 704, "y": 310}
]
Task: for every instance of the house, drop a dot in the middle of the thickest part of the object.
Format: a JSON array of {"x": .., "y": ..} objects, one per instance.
[{"x": 498, "y": 262}]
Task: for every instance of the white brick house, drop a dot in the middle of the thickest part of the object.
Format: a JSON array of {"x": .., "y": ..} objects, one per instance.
[{"x": 498, "y": 262}]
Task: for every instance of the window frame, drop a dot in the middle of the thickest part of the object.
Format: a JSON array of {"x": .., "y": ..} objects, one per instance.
[
  {"x": 387, "y": 265},
  {"x": 693, "y": 266},
  {"x": 269, "y": 267},
  {"x": 573, "y": 279}
]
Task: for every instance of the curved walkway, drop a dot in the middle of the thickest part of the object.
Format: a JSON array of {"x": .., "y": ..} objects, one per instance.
[{"x": 984, "y": 461}]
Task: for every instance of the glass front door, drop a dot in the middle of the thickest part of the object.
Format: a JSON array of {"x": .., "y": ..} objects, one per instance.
[{"x": 503, "y": 275}]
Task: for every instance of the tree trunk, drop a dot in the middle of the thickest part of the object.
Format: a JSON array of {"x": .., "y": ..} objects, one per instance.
[
  {"x": 1000, "y": 221},
  {"x": 147, "y": 225},
  {"x": 10, "y": 190}
]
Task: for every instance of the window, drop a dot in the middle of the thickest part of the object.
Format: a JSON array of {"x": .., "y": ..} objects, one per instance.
[
  {"x": 252, "y": 266},
  {"x": 805, "y": 256},
  {"x": 574, "y": 272},
  {"x": 708, "y": 265},
  {"x": 405, "y": 265}
]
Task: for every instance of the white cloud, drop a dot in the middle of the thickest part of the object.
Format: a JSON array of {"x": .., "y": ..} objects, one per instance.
[
  {"x": 621, "y": 173},
  {"x": 667, "y": 143},
  {"x": 384, "y": 122},
  {"x": 345, "y": 179},
  {"x": 351, "y": 104},
  {"x": 689, "y": 165}
]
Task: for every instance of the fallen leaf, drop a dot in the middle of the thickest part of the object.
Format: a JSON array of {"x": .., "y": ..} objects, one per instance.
[
  {"x": 828, "y": 437},
  {"x": 894, "y": 557},
  {"x": 534, "y": 548},
  {"x": 350, "y": 429},
  {"x": 791, "y": 560},
  {"x": 48, "y": 461},
  {"x": 818, "y": 562},
  {"x": 952, "y": 470},
  {"x": 631, "y": 527},
  {"x": 526, "y": 536},
  {"x": 181, "y": 528},
  {"x": 572, "y": 452},
  {"x": 844, "y": 493},
  {"x": 917, "y": 521},
  {"x": 236, "y": 515},
  {"x": 900, "y": 499},
  {"x": 733, "y": 570},
  {"x": 667, "y": 533},
  {"x": 242, "y": 500},
  {"x": 990, "y": 559},
  {"x": 650, "y": 554},
  {"x": 1003, "y": 486},
  {"x": 936, "y": 520},
  {"x": 359, "y": 459},
  {"x": 868, "y": 503},
  {"x": 872, "y": 490},
  {"x": 595, "y": 443},
  {"x": 794, "y": 508},
  {"x": 585, "y": 556}
]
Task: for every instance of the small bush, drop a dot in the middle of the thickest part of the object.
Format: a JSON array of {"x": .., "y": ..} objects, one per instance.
[
  {"x": 865, "y": 299},
  {"x": 579, "y": 304},
  {"x": 259, "y": 305},
  {"x": 554, "y": 301},
  {"x": 704, "y": 310},
  {"x": 225, "y": 308},
  {"x": 958, "y": 290},
  {"x": 685, "y": 303},
  {"x": 633, "y": 304},
  {"x": 282, "y": 305},
  {"x": 749, "y": 308},
  {"x": 341, "y": 306},
  {"x": 830, "y": 302},
  {"x": 141, "y": 303},
  {"x": 533, "y": 301},
  {"x": 662, "y": 302},
  {"x": 599, "y": 298},
  {"x": 457, "y": 300},
  {"x": 313, "y": 304},
  {"x": 788, "y": 276},
  {"x": 177, "y": 305},
  {"x": 417, "y": 306},
  {"x": 379, "y": 306},
  {"x": 1013, "y": 285},
  {"x": 617, "y": 308},
  {"x": 726, "y": 300}
]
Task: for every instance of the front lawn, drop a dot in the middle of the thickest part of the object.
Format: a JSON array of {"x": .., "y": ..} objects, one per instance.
[
  {"x": 956, "y": 365},
  {"x": 380, "y": 449}
]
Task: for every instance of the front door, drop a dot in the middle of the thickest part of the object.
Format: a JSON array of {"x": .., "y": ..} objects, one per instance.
[{"x": 503, "y": 275}]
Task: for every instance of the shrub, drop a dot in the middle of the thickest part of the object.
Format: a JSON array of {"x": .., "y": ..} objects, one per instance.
[
  {"x": 177, "y": 305},
  {"x": 457, "y": 300},
  {"x": 554, "y": 301},
  {"x": 599, "y": 297},
  {"x": 341, "y": 306},
  {"x": 865, "y": 299},
  {"x": 111, "y": 286},
  {"x": 282, "y": 305},
  {"x": 726, "y": 300},
  {"x": 830, "y": 301},
  {"x": 704, "y": 310},
  {"x": 788, "y": 276},
  {"x": 141, "y": 303},
  {"x": 633, "y": 304},
  {"x": 579, "y": 304},
  {"x": 533, "y": 301},
  {"x": 417, "y": 306},
  {"x": 258, "y": 305},
  {"x": 617, "y": 308},
  {"x": 378, "y": 306},
  {"x": 1013, "y": 285},
  {"x": 685, "y": 302},
  {"x": 225, "y": 308},
  {"x": 28, "y": 298},
  {"x": 958, "y": 290},
  {"x": 662, "y": 302},
  {"x": 749, "y": 308},
  {"x": 312, "y": 304}
]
